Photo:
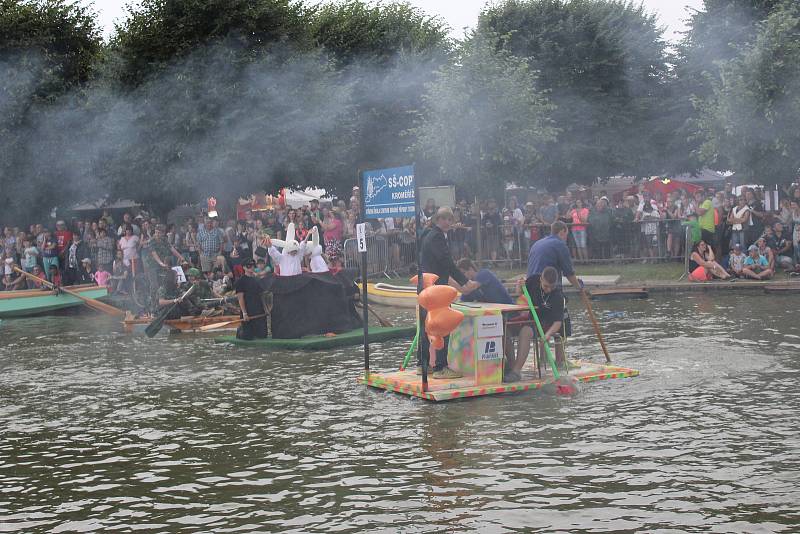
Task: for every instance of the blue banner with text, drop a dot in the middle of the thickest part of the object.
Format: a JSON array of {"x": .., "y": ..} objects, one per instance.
[{"x": 388, "y": 192}]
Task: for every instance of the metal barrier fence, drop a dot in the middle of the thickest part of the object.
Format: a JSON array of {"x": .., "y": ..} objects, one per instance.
[
  {"x": 377, "y": 255},
  {"x": 395, "y": 252}
]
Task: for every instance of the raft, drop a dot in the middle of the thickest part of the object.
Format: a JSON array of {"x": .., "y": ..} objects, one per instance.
[
  {"x": 408, "y": 382},
  {"x": 476, "y": 350},
  {"x": 782, "y": 288},
  {"x": 353, "y": 337},
  {"x": 189, "y": 324},
  {"x": 618, "y": 293}
]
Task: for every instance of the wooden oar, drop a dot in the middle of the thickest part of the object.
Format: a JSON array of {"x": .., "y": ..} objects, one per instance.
[
  {"x": 596, "y": 326},
  {"x": 92, "y": 303},
  {"x": 214, "y": 326},
  {"x": 155, "y": 325},
  {"x": 381, "y": 320}
]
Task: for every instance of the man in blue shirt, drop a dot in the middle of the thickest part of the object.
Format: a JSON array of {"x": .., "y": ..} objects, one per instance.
[
  {"x": 488, "y": 287},
  {"x": 551, "y": 251}
]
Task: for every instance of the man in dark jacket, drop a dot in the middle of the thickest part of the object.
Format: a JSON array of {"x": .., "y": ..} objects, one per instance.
[{"x": 436, "y": 259}]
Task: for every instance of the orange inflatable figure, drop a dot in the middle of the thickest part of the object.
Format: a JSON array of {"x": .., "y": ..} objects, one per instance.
[
  {"x": 441, "y": 320},
  {"x": 428, "y": 279}
]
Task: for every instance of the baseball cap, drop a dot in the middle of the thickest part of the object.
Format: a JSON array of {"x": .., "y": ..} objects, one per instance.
[
  {"x": 751, "y": 248},
  {"x": 737, "y": 245}
]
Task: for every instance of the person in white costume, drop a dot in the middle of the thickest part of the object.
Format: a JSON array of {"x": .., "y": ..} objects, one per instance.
[
  {"x": 290, "y": 258},
  {"x": 318, "y": 263}
]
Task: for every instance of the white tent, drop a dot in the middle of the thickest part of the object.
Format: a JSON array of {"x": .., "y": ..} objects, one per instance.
[{"x": 297, "y": 199}]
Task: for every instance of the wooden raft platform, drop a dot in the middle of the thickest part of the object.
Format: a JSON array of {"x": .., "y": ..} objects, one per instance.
[
  {"x": 354, "y": 337},
  {"x": 409, "y": 383},
  {"x": 782, "y": 288},
  {"x": 618, "y": 293}
]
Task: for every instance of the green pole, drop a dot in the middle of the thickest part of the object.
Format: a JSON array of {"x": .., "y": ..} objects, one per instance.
[
  {"x": 410, "y": 350},
  {"x": 539, "y": 329}
]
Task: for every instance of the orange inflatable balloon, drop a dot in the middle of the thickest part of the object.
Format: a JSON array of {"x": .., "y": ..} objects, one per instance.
[
  {"x": 441, "y": 320},
  {"x": 428, "y": 279},
  {"x": 436, "y": 297}
]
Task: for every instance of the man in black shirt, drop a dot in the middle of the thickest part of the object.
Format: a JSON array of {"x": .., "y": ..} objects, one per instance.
[
  {"x": 436, "y": 259},
  {"x": 548, "y": 300},
  {"x": 249, "y": 293}
]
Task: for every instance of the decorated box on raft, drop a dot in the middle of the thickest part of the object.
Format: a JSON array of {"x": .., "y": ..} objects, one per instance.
[{"x": 476, "y": 345}]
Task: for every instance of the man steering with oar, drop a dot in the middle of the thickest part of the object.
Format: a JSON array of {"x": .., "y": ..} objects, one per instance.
[{"x": 552, "y": 251}]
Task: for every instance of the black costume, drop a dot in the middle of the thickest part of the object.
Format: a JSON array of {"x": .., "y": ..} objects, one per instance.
[
  {"x": 436, "y": 259},
  {"x": 251, "y": 288}
]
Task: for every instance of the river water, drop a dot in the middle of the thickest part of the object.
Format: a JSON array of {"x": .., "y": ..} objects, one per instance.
[{"x": 100, "y": 431}]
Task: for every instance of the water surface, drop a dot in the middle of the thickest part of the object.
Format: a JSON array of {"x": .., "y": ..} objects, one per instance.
[{"x": 100, "y": 431}]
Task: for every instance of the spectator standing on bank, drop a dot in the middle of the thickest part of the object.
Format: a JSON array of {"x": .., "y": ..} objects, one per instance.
[
  {"x": 210, "y": 241},
  {"x": 580, "y": 217},
  {"x": 599, "y": 232}
]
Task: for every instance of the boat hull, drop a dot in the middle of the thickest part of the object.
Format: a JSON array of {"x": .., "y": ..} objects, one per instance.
[
  {"x": 354, "y": 337},
  {"x": 38, "y": 302},
  {"x": 386, "y": 296},
  {"x": 184, "y": 325}
]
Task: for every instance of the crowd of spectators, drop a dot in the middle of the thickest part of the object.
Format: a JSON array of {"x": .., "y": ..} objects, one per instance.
[{"x": 732, "y": 235}]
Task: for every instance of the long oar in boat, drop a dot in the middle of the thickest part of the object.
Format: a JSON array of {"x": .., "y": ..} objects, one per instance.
[
  {"x": 90, "y": 302},
  {"x": 155, "y": 325},
  {"x": 563, "y": 387},
  {"x": 596, "y": 326},
  {"x": 381, "y": 320},
  {"x": 215, "y": 326}
]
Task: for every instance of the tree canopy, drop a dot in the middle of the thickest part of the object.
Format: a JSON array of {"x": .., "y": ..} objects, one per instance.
[
  {"x": 191, "y": 98},
  {"x": 603, "y": 66},
  {"x": 483, "y": 122},
  {"x": 48, "y": 50},
  {"x": 750, "y": 120}
]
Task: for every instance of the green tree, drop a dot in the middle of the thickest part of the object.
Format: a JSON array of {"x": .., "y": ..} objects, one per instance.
[
  {"x": 47, "y": 49},
  {"x": 484, "y": 122},
  {"x": 388, "y": 52},
  {"x": 603, "y": 65},
  {"x": 717, "y": 34},
  {"x": 158, "y": 32},
  {"x": 751, "y": 120}
]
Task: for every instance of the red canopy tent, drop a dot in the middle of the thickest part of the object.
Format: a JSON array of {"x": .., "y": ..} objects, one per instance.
[{"x": 659, "y": 185}]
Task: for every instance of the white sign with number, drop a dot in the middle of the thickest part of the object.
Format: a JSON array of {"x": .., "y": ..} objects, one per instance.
[
  {"x": 361, "y": 236},
  {"x": 180, "y": 276},
  {"x": 490, "y": 348},
  {"x": 490, "y": 326}
]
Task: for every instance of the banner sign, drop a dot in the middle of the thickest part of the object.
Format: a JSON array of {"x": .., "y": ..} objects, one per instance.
[{"x": 388, "y": 192}]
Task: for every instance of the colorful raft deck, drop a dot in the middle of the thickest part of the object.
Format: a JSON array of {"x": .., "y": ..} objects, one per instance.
[
  {"x": 476, "y": 350},
  {"x": 354, "y": 337},
  {"x": 409, "y": 383}
]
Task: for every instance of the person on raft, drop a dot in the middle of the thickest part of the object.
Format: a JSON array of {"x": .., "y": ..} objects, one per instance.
[
  {"x": 488, "y": 288},
  {"x": 548, "y": 300},
  {"x": 436, "y": 259},
  {"x": 168, "y": 293},
  {"x": 289, "y": 261},
  {"x": 203, "y": 296},
  {"x": 250, "y": 295}
]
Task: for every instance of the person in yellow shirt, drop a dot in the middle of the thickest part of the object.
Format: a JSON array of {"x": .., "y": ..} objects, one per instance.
[{"x": 705, "y": 213}]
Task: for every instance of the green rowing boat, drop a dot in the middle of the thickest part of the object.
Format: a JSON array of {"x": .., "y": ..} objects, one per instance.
[
  {"x": 354, "y": 337},
  {"x": 38, "y": 301}
]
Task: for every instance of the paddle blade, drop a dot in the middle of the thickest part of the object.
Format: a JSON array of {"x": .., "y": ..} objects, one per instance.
[
  {"x": 567, "y": 387},
  {"x": 155, "y": 326}
]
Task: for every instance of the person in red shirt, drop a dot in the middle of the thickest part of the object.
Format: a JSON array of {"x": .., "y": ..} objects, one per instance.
[{"x": 63, "y": 239}]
